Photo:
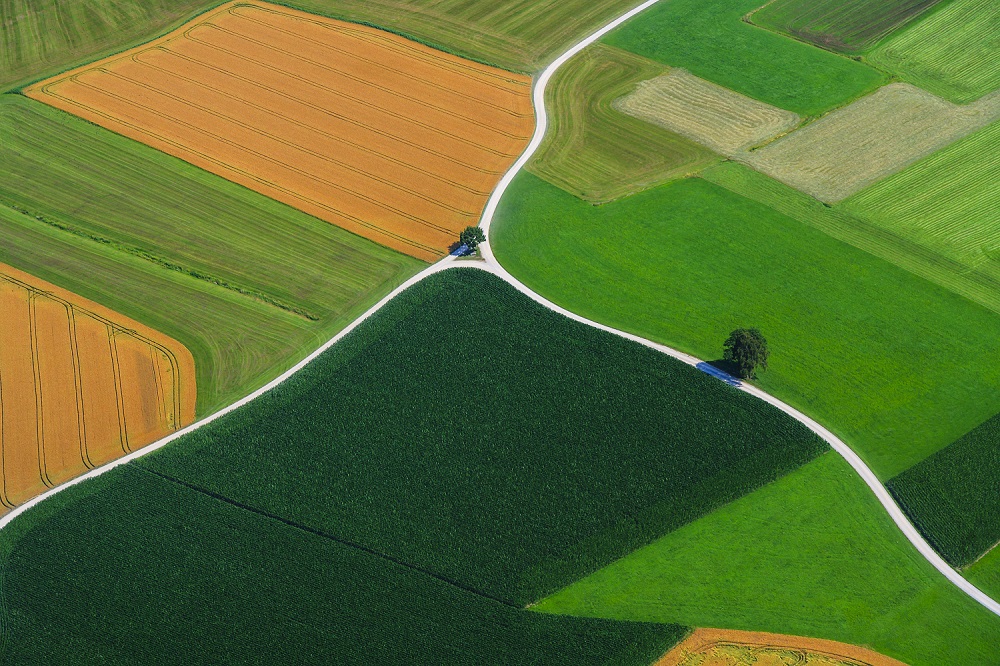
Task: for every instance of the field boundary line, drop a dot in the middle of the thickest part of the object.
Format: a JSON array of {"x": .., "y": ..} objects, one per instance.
[{"x": 855, "y": 461}]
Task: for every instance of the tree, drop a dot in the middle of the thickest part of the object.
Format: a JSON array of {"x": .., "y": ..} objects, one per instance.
[
  {"x": 472, "y": 237},
  {"x": 747, "y": 349}
]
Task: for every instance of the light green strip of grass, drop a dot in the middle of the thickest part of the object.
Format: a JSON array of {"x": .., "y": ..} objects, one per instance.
[
  {"x": 709, "y": 38},
  {"x": 812, "y": 554},
  {"x": 985, "y": 574},
  {"x": 952, "y": 52},
  {"x": 894, "y": 364}
]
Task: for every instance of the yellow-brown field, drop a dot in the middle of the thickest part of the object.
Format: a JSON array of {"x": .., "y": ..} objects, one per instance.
[
  {"x": 725, "y": 647},
  {"x": 80, "y": 385},
  {"x": 388, "y": 138}
]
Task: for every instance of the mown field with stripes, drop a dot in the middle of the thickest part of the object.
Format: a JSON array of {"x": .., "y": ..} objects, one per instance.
[{"x": 80, "y": 385}]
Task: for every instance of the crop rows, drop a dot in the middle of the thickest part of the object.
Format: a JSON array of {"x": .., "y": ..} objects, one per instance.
[
  {"x": 874, "y": 137},
  {"x": 242, "y": 92},
  {"x": 79, "y": 387},
  {"x": 952, "y": 496},
  {"x": 952, "y": 52},
  {"x": 848, "y": 26},
  {"x": 716, "y": 117},
  {"x": 596, "y": 152}
]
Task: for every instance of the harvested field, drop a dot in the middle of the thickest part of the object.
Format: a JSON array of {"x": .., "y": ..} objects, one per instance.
[
  {"x": 848, "y": 26},
  {"x": 597, "y": 153},
  {"x": 79, "y": 385},
  {"x": 952, "y": 52},
  {"x": 868, "y": 140},
  {"x": 725, "y": 121},
  {"x": 385, "y": 137},
  {"x": 728, "y": 647}
]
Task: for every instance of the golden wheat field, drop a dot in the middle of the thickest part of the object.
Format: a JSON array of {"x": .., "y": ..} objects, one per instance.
[
  {"x": 386, "y": 137},
  {"x": 80, "y": 385}
]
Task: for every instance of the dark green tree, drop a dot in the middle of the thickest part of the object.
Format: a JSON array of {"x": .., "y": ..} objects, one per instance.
[
  {"x": 472, "y": 237},
  {"x": 747, "y": 349}
]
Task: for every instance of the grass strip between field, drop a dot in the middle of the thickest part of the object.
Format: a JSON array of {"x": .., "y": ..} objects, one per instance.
[
  {"x": 891, "y": 363},
  {"x": 812, "y": 554}
]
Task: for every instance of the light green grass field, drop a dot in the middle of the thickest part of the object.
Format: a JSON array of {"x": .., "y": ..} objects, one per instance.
[
  {"x": 848, "y": 26},
  {"x": 812, "y": 554},
  {"x": 41, "y": 37},
  {"x": 952, "y": 52},
  {"x": 948, "y": 202},
  {"x": 186, "y": 236},
  {"x": 709, "y": 38},
  {"x": 985, "y": 574},
  {"x": 596, "y": 152},
  {"x": 890, "y": 362}
]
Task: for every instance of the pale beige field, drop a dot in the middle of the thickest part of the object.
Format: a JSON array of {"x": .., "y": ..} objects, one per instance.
[
  {"x": 724, "y": 647},
  {"x": 874, "y": 137},
  {"x": 80, "y": 385},
  {"x": 388, "y": 138},
  {"x": 709, "y": 114}
]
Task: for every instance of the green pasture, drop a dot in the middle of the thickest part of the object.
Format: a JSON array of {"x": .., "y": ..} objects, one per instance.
[
  {"x": 813, "y": 554},
  {"x": 39, "y": 38},
  {"x": 985, "y": 574},
  {"x": 953, "y": 495},
  {"x": 952, "y": 52},
  {"x": 710, "y": 39},
  {"x": 133, "y": 569},
  {"x": 848, "y": 26},
  {"x": 538, "y": 448},
  {"x": 890, "y": 362},
  {"x": 597, "y": 153},
  {"x": 187, "y": 236},
  {"x": 946, "y": 202}
]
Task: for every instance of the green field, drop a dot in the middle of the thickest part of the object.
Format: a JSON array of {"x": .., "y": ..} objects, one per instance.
[
  {"x": 985, "y": 574},
  {"x": 163, "y": 574},
  {"x": 946, "y": 202},
  {"x": 812, "y": 554},
  {"x": 952, "y": 496},
  {"x": 848, "y": 26},
  {"x": 597, "y": 153},
  {"x": 877, "y": 240},
  {"x": 172, "y": 239},
  {"x": 41, "y": 37},
  {"x": 952, "y": 52},
  {"x": 410, "y": 434},
  {"x": 890, "y": 362},
  {"x": 708, "y": 38}
]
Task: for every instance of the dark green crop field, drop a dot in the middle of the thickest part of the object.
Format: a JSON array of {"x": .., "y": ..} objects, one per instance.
[
  {"x": 134, "y": 570},
  {"x": 470, "y": 432},
  {"x": 892, "y": 363},
  {"x": 710, "y": 39},
  {"x": 953, "y": 496},
  {"x": 848, "y": 26},
  {"x": 96, "y": 188},
  {"x": 596, "y": 152}
]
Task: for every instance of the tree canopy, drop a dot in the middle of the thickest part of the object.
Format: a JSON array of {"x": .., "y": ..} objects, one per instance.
[{"x": 746, "y": 348}]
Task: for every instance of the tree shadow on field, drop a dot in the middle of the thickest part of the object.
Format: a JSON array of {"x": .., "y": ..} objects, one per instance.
[{"x": 721, "y": 369}]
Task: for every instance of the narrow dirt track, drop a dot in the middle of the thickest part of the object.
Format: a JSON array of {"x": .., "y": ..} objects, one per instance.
[{"x": 493, "y": 266}]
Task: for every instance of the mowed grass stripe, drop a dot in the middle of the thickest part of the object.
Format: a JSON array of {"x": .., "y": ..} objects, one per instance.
[
  {"x": 947, "y": 202},
  {"x": 952, "y": 52},
  {"x": 848, "y": 26},
  {"x": 593, "y": 150}
]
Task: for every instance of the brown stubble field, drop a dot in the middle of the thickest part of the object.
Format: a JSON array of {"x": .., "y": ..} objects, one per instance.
[
  {"x": 388, "y": 138},
  {"x": 80, "y": 386}
]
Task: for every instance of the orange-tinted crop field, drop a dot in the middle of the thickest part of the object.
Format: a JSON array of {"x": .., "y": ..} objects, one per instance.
[
  {"x": 386, "y": 137},
  {"x": 80, "y": 385},
  {"x": 724, "y": 647}
]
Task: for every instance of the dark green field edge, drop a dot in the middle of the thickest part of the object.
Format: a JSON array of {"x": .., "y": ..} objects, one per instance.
[
  {"x": 953, "y": 497},
  {"x": 473, "y": 434},
  {"x": 132, "y": 569},
  {"x": 849, "y": 27}
]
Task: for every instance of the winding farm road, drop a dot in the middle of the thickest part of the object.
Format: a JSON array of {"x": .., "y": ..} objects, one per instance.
[{"x": 493, "y": 266}]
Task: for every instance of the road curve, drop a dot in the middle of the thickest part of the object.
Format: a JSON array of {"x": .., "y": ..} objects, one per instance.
[
  {"x": 492, "y": 265},
  {"x": 883, "y": 496}
]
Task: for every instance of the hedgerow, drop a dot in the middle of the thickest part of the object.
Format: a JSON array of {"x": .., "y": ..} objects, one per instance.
[
  {"x": 472, "y": 433},
  {"x": 952, "y": 496}
]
